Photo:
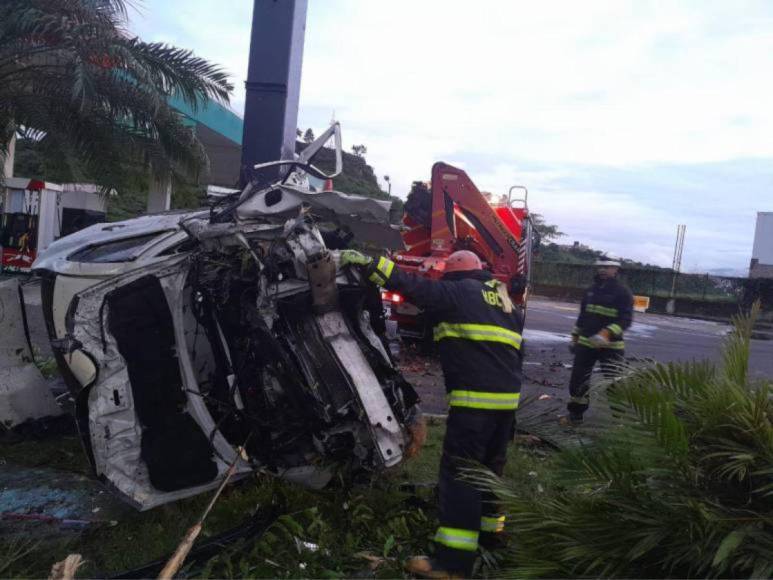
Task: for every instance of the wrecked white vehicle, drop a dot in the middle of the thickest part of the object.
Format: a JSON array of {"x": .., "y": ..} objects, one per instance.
[{"x": 184, "y": 336}]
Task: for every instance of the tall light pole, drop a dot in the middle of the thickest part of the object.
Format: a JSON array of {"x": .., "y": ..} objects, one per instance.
[
  {"x": 389, "y": 184},
  {"x": 676, "y": 264}
]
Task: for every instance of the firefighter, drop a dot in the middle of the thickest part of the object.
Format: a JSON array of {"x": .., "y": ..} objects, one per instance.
[
  {"x": 606, "y": 311},
  {"x": 478, "y": 336}
]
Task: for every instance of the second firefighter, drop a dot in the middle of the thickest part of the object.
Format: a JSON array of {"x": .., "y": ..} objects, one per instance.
[{"x": 605, "y": 313}]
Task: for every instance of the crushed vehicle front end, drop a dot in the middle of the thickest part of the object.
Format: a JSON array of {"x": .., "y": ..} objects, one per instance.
[{"x": 249, "y": 335}]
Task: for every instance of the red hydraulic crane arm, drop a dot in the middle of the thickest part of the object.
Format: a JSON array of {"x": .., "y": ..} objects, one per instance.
[{"x": 452, "y": 191}]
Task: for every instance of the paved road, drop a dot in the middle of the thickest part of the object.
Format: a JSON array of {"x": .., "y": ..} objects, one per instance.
[
  {"x": 548, "y": 361},
  {"x": 663, "y": 338}
]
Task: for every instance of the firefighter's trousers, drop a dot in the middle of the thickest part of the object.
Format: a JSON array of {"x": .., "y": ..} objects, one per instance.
[
  {"x": 474, "y": 437},
  {"x": 579, "y": 384}
]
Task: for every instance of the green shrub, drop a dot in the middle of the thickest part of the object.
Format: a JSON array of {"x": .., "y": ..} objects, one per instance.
[{"x": 679, "y": 485}]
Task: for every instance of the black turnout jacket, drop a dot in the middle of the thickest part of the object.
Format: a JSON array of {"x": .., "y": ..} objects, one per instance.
[{"x": 479, "y": 344}]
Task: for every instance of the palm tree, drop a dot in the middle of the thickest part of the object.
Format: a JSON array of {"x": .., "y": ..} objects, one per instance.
[
  {"x": 680, "y": 484},
  {"x": 94, "y": 98}
]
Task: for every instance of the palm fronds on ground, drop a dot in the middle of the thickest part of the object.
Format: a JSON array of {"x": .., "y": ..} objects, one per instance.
[
  {"x": 94, "y": 97},
  {"x": 680, "y": 485}
]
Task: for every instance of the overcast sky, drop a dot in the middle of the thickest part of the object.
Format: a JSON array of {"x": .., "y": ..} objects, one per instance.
[{"x": 623, "y": 119}]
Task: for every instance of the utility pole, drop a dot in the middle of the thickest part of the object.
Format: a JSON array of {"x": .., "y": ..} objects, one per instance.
[
  {"x": 273, "y": 83},
  {"x": 676, "y": 264},
  {"x": 389, "y": 184}
]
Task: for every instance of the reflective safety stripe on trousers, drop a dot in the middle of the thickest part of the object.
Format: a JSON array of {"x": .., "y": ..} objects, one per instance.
[
  {"x": 603, "y": 310},
  {"x": 615, "y": 344},
  {"x": 457, "y": 538},
  {"x": 483, "y": 400},
  {"x": 383, "y": 271},
  {"x": 492, "y": 524},
  {"x": 478, "y": 332}
]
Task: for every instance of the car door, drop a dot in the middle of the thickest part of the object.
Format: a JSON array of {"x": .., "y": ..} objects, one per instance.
[{"x": 150, "y": 432}]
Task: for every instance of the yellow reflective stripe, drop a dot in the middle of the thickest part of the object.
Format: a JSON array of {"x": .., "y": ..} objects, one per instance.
[
  {"x": 584, "y": 400},
  {"x": 615, "y": 344},
  {"x": 457, "y": 538},
  {"x": 603, "y": 310},
  {"x": 382, "y": 272},
  {"x": 615, "y": 329},
  {"x": 376, "y": 278},
  {"x": 480, "y": 332},
  {"x": 385, "y": 267},
  {"x": 492, "y": 524},
  {"x": 483, "y": 400}
]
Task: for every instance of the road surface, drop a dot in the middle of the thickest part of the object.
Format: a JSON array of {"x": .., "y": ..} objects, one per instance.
[
  {"x": 548, "y": 361},
  {"x": 659, "y": 337}
]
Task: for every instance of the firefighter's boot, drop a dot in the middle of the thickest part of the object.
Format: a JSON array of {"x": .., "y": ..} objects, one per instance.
[
  {"x": 423, "y": 567},
  {"x": 570, "y": 420}
]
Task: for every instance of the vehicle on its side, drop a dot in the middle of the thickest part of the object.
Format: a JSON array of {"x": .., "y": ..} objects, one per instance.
[{"x": 183, "y": 336}]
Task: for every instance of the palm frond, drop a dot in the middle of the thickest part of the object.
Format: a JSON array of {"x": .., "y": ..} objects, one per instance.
[
  {"x": 737, "y": 346},
  {"x": 69, "y": 70},
  {"x": 680, "y": 482}
]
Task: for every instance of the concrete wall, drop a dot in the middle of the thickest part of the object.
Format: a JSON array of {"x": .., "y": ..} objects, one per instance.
[
  {"x": 762, "y": 252},
  {"x": 758, "y": 270},
  {"x": 83, "y": 196},
  {"x": 48, "y": 219}
]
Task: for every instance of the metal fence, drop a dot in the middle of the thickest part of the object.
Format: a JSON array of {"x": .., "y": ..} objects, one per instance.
[{"x": 662, "y": 283}]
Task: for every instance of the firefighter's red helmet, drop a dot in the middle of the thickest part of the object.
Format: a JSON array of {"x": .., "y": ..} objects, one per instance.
[{"x": 463, "y": 261}]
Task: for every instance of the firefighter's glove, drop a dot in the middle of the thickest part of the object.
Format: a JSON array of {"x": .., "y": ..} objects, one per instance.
[
  {"x": 601, "y": 339},
  {"x": 417, "y": 436},
  {"x": 355, "y": 258},
  {"x": 573, "y": 344}
]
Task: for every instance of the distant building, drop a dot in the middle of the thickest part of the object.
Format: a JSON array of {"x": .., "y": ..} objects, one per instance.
[{"x": 762, "y": 253}]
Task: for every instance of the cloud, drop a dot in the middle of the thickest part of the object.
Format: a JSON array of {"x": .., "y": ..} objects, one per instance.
[{"x": 623, "y": 118}]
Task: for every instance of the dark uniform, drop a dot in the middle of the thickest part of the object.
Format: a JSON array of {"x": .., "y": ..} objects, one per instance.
[
  {"x": 606, "y": 305},
  {"x": 479, "y": 345}
]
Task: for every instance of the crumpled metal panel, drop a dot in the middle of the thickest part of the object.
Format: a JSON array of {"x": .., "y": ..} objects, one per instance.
[
  {"x": 383, "y": 424},
  {"x": 55, "y": 256},
  {"x": 368, "y": 218},
  {"x": 114, "y": 427},
  {"x": 24, "y": 393}
]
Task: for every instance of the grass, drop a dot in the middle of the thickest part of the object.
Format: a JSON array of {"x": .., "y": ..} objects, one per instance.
[
  {"x": 61, "y": 452},
  {"x": 360, "y": 530}
]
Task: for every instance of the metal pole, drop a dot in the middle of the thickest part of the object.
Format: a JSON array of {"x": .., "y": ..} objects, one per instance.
[
  {"x": 676, "y": 264},
  {"x": 273, "y": 83}
]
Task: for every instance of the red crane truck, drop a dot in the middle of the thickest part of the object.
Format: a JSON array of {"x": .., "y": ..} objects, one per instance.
[{"x": 452, "y": 214}]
